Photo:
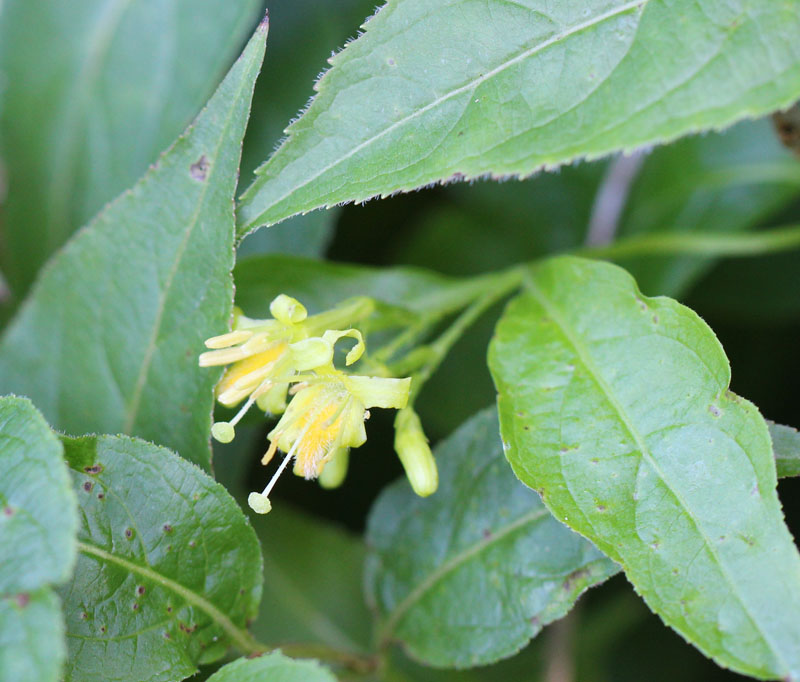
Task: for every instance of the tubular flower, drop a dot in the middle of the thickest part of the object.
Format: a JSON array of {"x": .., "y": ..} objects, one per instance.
[{"x": 326, "y": 415}]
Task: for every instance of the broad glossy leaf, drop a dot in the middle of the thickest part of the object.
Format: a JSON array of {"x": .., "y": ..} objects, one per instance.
[
  {"x": 312, "y": 583},
  {"x": 274, "y": 667},
  {"x": 169, "y": 569},
  {"x": 721, "y": 182},
  {"x": 31, "y": 637},
  {"x": 38, "y": 522},
  {"x": 471, "y": 574},
  {"x": 95, "y": 89},
  {"x": 38, "y": 519},
  {"x": 616, "y": 408},
  {"x": 108, "y": 339},
  {"x": 436, "y": 90},
  {"x": 786, "y": 446},
  {"x": 322, "y": 285}
]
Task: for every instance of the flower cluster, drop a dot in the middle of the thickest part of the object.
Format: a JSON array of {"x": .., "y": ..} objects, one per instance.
[{"x": 285, "y": 366}]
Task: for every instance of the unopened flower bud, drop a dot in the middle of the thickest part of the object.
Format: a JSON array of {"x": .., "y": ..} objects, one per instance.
[
  {"x": 335, "y": 470},
  {"x": 412, "y": 449}
]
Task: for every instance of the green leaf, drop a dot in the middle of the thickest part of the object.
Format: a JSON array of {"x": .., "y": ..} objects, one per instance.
[
  {"x": 169, "y": 569},
  {"x": 436, "y": 90},
  {"x": 616, "y": 408},
  {"x": 309, "y": 30},
  {"x": 31, "y": 637},
  {"x": 272, "y": 668},
  {"x": 95, "y": 89},
  {"x": 312, "y": 583},
  {"x": 712, "y": 183},
  {"x": 38, "y": 522},
  {"x": 38, "y": 519},
  {"x": 320, "y": 286},
  {"x": 471, "y": 574},
  {"x": 109, "y": 337},
  {"x": 786, "y": 446}
]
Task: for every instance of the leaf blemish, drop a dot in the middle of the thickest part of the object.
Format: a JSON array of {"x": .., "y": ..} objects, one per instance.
[
  {"x": 94, "y": 469},
  {"x": 129, "y": 533},
  {"x": 199, "y": 169},
  {"x": 167, "y": 528},
  {"x": 714, "y": 410},
  {"x": 141, "y": 590},
  {"x": 23, "y": 599},
  {"x": 8, "y": 511},
  {"x": 87, "y": 486}
]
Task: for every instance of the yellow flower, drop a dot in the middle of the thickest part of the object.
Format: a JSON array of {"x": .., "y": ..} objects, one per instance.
[{"x": 326, "y": 416}]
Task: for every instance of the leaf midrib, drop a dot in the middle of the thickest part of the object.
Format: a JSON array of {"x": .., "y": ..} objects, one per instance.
[
  {"x": 585, "y": 358},
  {"x": 452, "y": 564},
  {"x": 241, "y": 638},
  {"x": 467, "y": 87},
  {"x": 141, "y": 380}
]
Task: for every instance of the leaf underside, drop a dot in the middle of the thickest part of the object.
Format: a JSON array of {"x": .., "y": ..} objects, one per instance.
[{"x": 470, "y": 575}]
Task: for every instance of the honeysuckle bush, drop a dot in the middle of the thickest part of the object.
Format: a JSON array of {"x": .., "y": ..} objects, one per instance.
[{"x": 522, "y": 354}]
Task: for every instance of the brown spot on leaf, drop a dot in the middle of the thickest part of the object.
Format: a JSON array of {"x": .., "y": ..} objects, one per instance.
[
  {"x": 94, "y": 469},
  {"x": 87, "y": 486},
  {"x": 199, "y": 169}
]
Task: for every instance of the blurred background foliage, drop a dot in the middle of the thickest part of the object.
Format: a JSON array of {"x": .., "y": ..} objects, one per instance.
[{"x": 56, "y": 175}]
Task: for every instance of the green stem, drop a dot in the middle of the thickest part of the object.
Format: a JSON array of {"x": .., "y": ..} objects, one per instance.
[
  {"x": 699, "y": 244},
  {"x": 439, "y": 349},
  {"x": 406, "y": 337}
]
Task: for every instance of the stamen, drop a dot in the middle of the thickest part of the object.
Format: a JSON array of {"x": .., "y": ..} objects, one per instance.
[
  {"x": 257, "y": 392},
  {"x": 230, "y": 339},
  {"x": 223, "y": 356}
]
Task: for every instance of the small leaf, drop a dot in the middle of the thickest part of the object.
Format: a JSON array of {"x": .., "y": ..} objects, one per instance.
[
  {"x": 274, "y": 667},
  {"x": 108, "y": 339},
  {"x": 312, "y": 583},
  {"x": 38, "y": 522},
  {"x": 471, "y": 574},
  {"x": 31, "y": 637},
  {"x": 94, "y": 90},
  {"x": 168, "y": 568},
  {"x": 436, "y": 90},
  {"x": 38, "y": 519},
  {"x": 786, "y": 446},
  {"x": 616, "y": 407}
]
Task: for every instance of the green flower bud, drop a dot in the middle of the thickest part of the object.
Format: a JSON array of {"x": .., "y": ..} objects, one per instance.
[
  {"x": 412, "y": 449},
  {"x": 335, "y": 470}
]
